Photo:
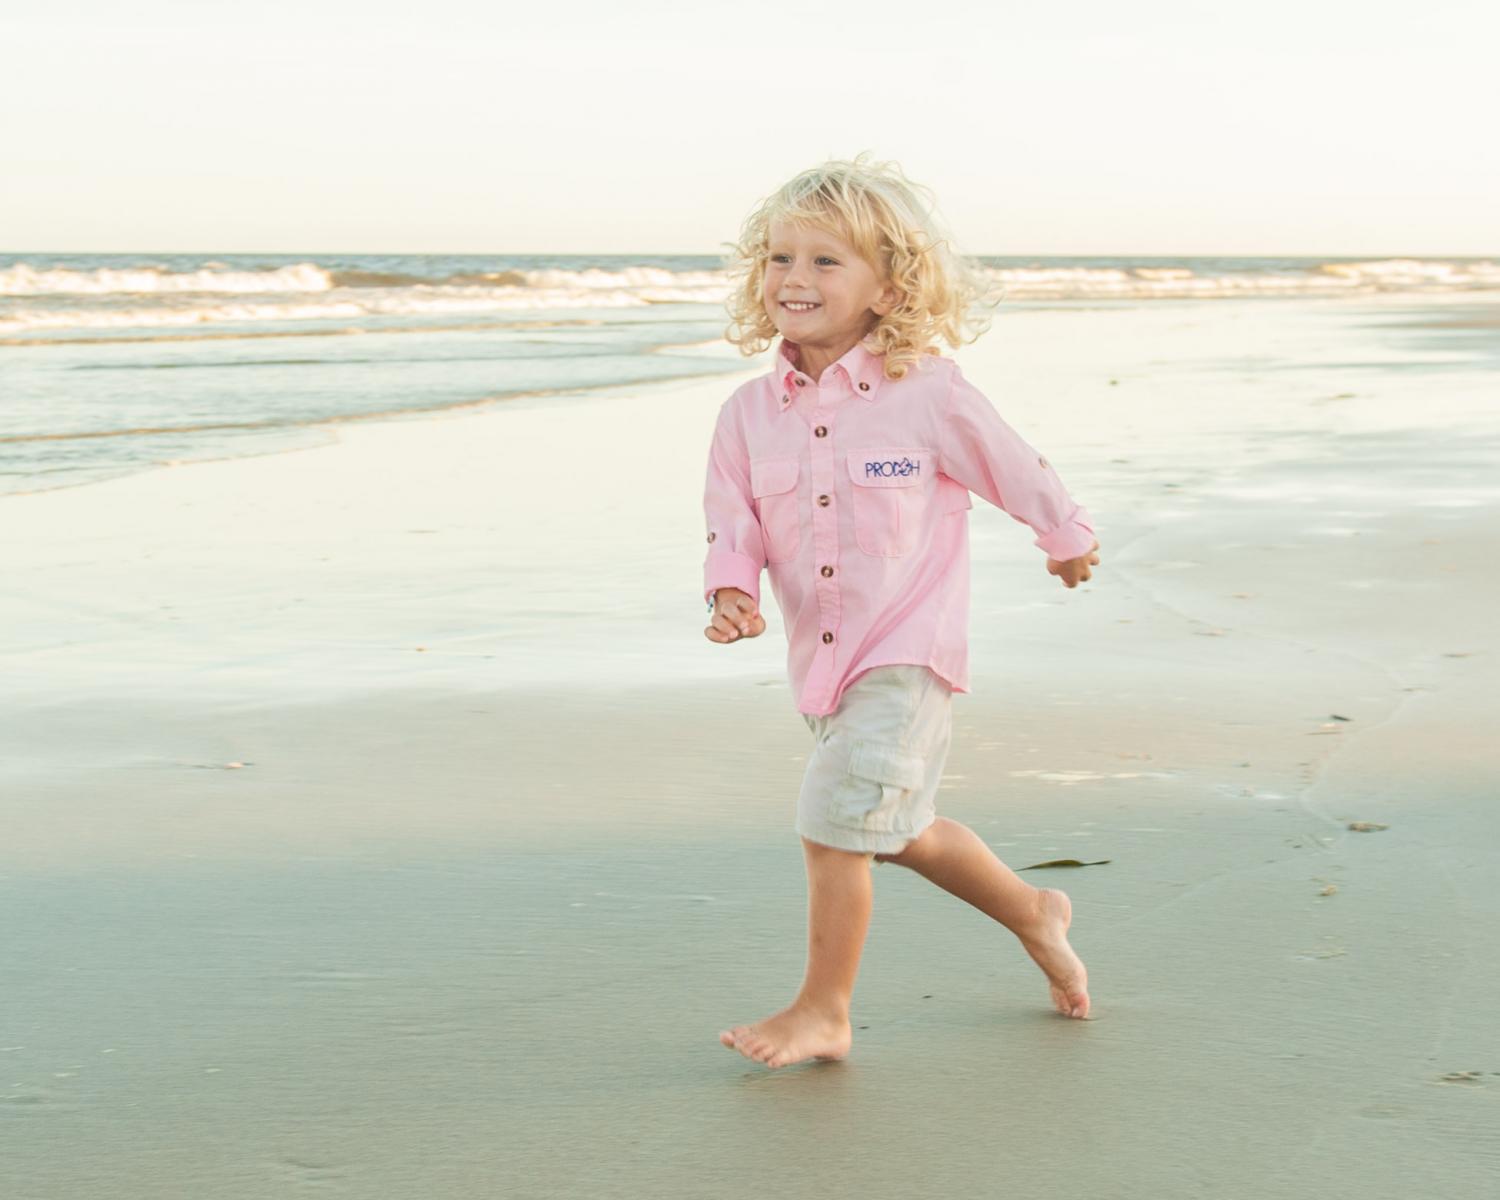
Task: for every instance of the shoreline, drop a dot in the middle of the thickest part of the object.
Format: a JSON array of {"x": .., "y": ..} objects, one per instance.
[
  {"x": 450, "y": 539},
  {"x": 717, "y": 349},
  {"x": 331, "y": 426}
]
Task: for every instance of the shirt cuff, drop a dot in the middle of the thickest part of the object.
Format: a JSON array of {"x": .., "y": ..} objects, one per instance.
[
  {"x": 728, "y": 569},
  {"x": 1072, "y": 539}
]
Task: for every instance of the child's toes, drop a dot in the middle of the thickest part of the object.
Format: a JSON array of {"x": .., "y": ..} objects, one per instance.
[
  {"x": 755, "y": 1047},
  {"x": 736, "y": 1038}
]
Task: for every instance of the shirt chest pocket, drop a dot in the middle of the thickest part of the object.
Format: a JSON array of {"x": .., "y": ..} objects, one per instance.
[
  {"x": 891, "y": 487},
  {"x": 773, "y": 483}
]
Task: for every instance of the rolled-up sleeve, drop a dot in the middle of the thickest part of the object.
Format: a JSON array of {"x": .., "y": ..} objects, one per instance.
[
  {"x": 979, "y": 450},
  {"x": 736, "y": 550}
]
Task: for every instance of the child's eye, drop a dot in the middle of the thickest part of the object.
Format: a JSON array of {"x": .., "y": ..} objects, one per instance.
[{"x": 822, "y": 258}]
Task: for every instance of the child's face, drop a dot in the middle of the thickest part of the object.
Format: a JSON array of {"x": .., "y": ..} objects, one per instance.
[{"x": 811, "y": 265}]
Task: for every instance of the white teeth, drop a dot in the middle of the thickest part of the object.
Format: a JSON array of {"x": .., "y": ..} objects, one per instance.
[{"x": 798, "y": 305}]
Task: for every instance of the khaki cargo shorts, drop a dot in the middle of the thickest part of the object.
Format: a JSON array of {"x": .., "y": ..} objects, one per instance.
[{"x": 873, "y": 774}]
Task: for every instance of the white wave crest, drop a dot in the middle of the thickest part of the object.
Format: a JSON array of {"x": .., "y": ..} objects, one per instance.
[
  {"x": 22, "y": 279},
  {"x": 110, "y": 291},
  {"x": 1325, "y": 279},
  {"x": 398, "y": 302}
]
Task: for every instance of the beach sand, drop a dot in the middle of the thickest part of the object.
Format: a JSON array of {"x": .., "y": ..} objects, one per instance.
[{"x": 347, "y": 859}]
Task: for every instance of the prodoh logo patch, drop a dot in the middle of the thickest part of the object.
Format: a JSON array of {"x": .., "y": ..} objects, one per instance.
[{"x": 891, "y": 468}]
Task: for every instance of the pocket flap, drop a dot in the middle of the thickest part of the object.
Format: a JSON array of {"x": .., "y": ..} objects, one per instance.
[
  {"x": 772, "y": 476},
  {"x": 886, "y": 764},
  {"x": 890, "y": 466}
]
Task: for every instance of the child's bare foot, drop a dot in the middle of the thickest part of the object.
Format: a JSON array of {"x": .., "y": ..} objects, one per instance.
[
  {"x": 792, "y": 1035},
  {"x": 1048, "y": 946}
]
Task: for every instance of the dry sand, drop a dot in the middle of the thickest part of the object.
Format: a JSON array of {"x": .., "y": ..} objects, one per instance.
[{"x": 439, "y": 937}]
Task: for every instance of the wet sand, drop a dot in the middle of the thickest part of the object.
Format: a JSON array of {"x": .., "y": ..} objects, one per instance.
[{"x": 438, "y": 937}]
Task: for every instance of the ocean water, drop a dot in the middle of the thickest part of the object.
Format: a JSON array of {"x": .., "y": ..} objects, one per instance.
[{"x": 117, "y": 363}]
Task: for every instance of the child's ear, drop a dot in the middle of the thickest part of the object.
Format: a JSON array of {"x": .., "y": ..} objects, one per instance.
[{"x": 889, "y": 297}]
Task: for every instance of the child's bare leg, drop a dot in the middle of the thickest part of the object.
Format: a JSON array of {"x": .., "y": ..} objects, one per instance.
[
  {"x": 816, "y": 1024},
  {"x": 955, "y": 858}
]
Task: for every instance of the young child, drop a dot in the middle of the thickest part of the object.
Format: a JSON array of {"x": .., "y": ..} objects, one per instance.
[{"x": 846, "y": 471}]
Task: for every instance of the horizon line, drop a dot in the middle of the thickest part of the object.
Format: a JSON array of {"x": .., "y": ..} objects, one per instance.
[{"x": 702, "y": 254}]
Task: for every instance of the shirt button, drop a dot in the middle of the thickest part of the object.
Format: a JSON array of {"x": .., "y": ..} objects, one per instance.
[
  {"x": 712, "y": 536},
  {"x": 827, "y": 571},
  {"x": 821, "y": 431},
  {"x": 1043, "y": 461},
  {"x": 864, "y": 387},
  {"x": 786, "y": 399},
  {"x": 827, "y": 637},
  {"x": 800, "y": 382},
  {"x": 823, "y": 501}
]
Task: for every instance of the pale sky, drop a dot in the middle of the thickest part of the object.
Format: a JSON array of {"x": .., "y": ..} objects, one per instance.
[{"x": 1153, "y": 127}]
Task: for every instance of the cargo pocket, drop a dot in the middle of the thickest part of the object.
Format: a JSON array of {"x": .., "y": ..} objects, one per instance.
[
  {"x": 878, "y": 791},
  {"x": 891, "y": 487},
  {"x": 773, "y": 483}
]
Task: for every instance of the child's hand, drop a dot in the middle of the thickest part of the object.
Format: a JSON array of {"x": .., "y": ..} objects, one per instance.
[
  {"x": 1074, "y": 569},
  {"x": 735, "y": 616}
]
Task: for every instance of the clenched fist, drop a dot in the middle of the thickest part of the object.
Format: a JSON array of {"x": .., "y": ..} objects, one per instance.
[
  {"x": 1074, "y": 569},
  {"x": 735, "y": 616}
]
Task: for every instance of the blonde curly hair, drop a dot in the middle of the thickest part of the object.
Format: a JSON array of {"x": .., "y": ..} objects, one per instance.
[{"x": 880, "y": 212}]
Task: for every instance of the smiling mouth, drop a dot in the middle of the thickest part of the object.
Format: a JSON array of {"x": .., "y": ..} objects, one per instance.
[{"x": 798, "y": 306}]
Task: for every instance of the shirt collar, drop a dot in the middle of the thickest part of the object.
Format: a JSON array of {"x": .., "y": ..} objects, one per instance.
[{"x": 863, "y": 370}]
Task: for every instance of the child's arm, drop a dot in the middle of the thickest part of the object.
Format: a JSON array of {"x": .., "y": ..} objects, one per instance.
[
  {"x": 979, "y": 450},
  {"x": 736, "y": 552}
]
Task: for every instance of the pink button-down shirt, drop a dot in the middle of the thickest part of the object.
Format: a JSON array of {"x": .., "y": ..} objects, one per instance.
[{"x": 853, "y": 491}]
